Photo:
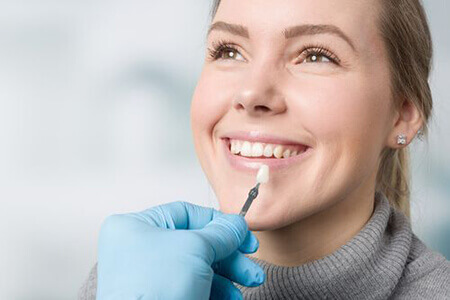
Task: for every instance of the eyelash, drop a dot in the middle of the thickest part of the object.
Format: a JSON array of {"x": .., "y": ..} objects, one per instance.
[
  {"x": 319, "y": 50},
  {"x": 219, "y": 47}
]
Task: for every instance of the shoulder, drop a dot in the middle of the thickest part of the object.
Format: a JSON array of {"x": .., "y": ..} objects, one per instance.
[
  {"x": 88, "y": 290},
  {"x": 426, "y": 274}
]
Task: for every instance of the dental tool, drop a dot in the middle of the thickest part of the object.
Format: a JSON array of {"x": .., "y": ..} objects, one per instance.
[{"x": 261, "y": 177}]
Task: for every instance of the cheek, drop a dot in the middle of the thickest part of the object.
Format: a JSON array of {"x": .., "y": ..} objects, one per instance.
[
  {"x": 347, "y": 121},
  {"x": 206, "y": 108},
  {"x": 335, "y": 110}
]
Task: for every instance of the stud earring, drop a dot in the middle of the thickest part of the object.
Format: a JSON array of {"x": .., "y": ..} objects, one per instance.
[
  {"x": 420, "y": 134},
  {"x": 401, "y": 139}
]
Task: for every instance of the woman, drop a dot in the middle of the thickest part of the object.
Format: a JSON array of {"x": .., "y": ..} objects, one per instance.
[{"x": 329, "y": 94}]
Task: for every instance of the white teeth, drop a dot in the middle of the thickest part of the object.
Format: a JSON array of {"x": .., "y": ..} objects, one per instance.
[
  {"x": 257, "y": 150},
  {"x": 246, "y": 149},
  {"x": 233, "y": 147},
  {"x": 268, "y": 150},
  {"x": 278, "y": 151},
  {"x": 238, "y": 146}
]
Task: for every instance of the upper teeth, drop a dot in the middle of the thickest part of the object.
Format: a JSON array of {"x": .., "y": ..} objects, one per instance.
[{"x": 248, "y": 149}]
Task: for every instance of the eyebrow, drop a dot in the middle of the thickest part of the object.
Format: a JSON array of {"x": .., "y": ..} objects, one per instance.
[{"x": 290, "y": 32}]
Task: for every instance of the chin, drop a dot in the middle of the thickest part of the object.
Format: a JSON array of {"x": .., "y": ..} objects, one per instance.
[
  {"x": 259, "y": 224},
  {"x": 263, "y": 215}
]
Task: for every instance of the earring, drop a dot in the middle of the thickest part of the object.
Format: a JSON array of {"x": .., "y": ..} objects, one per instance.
[
  {"x": 401, "y": 139},
  {"x": 420, "y": 134}
]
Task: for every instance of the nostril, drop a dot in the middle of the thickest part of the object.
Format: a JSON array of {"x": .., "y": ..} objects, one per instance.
[{"x": 261, "y": 108}]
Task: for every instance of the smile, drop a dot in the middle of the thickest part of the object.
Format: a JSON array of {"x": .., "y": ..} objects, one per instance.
[
  {"x": 263, "y": 150},
  {"x": 249, "y": 155}
]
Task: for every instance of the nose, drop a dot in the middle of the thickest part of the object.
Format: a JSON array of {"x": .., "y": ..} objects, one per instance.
[{"x": 260, "y": 95}]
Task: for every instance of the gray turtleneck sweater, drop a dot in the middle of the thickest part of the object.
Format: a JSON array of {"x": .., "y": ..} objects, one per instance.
[{"x": 385, "y": 260}]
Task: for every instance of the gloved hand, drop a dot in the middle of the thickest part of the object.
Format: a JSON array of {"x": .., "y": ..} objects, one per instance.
[{"x": 175, "y": 251}]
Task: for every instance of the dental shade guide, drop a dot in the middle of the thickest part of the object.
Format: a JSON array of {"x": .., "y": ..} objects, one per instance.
[{"x": 261, "y": 177}]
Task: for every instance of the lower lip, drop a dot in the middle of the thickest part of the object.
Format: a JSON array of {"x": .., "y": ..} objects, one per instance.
[{"x": 246, "y": 164}]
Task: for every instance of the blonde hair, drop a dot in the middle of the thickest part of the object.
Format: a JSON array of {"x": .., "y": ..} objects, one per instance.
[{"x": 404, "y": 28}]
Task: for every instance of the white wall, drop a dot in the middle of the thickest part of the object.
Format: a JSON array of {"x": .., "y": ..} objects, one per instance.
[{"x": 94, "y": 120}]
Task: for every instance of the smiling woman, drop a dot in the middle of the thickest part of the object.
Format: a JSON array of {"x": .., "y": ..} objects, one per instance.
[
  {"x": 328, "y": 94},
  {"x": 348, "y": 80},
  {"x": 324, "y": 82}
]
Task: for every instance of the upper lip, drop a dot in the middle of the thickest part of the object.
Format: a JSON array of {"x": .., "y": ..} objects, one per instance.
[{"x": 257, "y": 136}]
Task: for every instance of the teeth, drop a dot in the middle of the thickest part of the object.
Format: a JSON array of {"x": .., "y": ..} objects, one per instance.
[
  {"x": 278, "y": 151},
  {"x": 233, "y": 147},
  {"x": 257, "y": 149},
  {"x": 238, "y": 146},
  {"x": 268, "y": 150},
  {"x": 248, "y": 149}
]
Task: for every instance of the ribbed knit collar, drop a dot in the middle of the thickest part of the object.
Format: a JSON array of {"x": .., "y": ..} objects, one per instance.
[{"x": 369, "y": 266}]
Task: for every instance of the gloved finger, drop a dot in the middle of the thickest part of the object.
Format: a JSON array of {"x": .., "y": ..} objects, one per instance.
[
  {"x": 223, "y": 288},
  {"x": 178, "y": 215},
  {"x": 250, "y": 244},
  {"x": 223, "y": 235},
  {"x": 241, "y": 269}
]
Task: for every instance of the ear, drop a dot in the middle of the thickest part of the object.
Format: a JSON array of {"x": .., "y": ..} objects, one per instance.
[{"x": 407, "y": 121}]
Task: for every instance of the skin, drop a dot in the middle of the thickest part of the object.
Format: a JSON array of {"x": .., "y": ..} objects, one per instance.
[{"x": 343, "y": 110}]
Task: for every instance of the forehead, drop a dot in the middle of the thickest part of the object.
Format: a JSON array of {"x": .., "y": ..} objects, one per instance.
[{"x": 267, "y": 19}]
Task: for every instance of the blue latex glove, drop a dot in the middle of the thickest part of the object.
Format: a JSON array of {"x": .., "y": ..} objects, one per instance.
[{"x": 175, "y": 251}]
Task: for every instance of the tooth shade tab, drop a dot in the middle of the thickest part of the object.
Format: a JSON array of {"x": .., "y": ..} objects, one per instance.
[{"x": 263, "y": 174}]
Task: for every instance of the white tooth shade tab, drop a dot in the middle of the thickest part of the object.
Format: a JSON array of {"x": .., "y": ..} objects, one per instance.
[
  {"x": 263, "y": 174},
  {"x": 257, "y": 149}
]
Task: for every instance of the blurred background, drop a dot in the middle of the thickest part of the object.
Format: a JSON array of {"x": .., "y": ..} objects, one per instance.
[{"x": 94, "y": 120}]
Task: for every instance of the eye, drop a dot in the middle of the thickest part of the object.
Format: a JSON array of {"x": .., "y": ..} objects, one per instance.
[
  {"x": 223, "y": 50},
  {"x": 317, "y": 54}
]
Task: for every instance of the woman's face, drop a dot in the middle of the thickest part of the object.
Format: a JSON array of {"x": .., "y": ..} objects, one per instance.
[{"x": 322, "y": 86}]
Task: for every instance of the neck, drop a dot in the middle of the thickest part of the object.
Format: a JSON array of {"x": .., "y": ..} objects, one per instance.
[{"x": 317, "y": 235}]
